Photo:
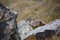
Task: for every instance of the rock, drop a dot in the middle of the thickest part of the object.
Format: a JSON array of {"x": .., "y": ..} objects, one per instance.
[
  {"x": 8, "y": 26},
  {"x": 24, "y": 28},
  {"x": 58, "y": 31}
]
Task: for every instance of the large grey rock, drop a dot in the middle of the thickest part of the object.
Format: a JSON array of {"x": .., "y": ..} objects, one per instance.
[
  {"x": 24, "y": 28},
  {"x": 51, "y": 28},
  {"x": 8, "y": 30}
]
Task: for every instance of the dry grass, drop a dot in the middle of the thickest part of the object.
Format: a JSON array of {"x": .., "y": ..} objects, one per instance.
[{"x": 46, "y": 11}]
